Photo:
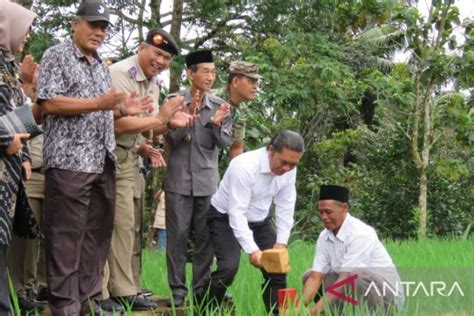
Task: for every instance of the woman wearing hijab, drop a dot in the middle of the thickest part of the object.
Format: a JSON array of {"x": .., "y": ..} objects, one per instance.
[{"x": 15, "y": 214}]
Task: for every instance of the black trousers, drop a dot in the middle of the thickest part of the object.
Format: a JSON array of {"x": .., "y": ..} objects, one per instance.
[
  {"x": 184, "y": 213},
  {"x": 227, "y": 252},
  {"x": 79, "y": 213},
  {"x": 4, "y": 296}
]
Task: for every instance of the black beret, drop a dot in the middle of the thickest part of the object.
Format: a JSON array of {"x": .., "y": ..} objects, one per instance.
[
  {"x": 162, "y": 40},
  {"x": 198, "y": 57},
  {"x": 334, "y": 192}
]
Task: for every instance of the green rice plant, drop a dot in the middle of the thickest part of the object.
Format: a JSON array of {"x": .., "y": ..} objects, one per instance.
[
  {"x": 450, "y": 260},
  {"x": 14, "y": 298}
]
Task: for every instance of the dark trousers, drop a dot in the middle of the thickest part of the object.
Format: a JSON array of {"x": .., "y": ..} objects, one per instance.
[
  {"x": 227, "y": 252},
  {"x": 182, "y": 213},
  {"x": 4, "y": 296},
  {"x": 79, "y": 215}
]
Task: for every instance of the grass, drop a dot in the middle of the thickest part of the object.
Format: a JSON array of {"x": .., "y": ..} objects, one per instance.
[
  {"x": 428, "y": 261},
  {"x": 439, "y": 260}
]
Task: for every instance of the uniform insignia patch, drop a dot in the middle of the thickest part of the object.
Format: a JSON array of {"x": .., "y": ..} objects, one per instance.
[{"x": 133, "y": 72}]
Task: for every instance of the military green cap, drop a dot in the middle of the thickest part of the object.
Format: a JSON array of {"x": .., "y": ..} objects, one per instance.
[{"x": 244, "y": 68}]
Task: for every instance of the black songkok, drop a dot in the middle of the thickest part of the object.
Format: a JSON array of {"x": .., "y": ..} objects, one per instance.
[
  {"x": 334, "y": 192},
  {"x": 198, "y": 57}
]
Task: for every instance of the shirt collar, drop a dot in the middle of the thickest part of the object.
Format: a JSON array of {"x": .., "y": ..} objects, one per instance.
[
  {"x": 140, "y": 76},
  {"x": 343, "y": 231},
  {"x": 77, "y": 52},
  {"x": 265, "y": 162}
]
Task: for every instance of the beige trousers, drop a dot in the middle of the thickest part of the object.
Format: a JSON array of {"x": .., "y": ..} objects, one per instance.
[{"x": 118, "y": 273}]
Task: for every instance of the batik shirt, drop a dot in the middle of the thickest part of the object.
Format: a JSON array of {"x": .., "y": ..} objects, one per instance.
[
  {"x": 75, "y": 142},
  {"x": 11, "y": 96}
]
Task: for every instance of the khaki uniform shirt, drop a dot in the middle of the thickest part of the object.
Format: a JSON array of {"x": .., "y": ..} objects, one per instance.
[
  {"x": 128, "y": 76},
  {"x": 35, "y": 186}
]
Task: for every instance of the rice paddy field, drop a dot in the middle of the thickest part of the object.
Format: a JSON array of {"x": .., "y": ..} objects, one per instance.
[{"x": 437, "y": 277}]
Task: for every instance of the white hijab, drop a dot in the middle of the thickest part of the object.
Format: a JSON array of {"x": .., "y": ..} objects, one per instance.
[{"x": 15, "y": 22}]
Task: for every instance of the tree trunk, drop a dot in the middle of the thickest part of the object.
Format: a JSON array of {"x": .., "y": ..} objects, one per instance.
[
  {"x": 155, "y": 7},
  {"x": 422, "y": 205},
  {"x": 175, "y": 31},
  {"x": 425, "y": 157}
]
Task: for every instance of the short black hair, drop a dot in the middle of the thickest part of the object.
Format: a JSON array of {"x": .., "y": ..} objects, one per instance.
[{"x": 287, "y": 139}]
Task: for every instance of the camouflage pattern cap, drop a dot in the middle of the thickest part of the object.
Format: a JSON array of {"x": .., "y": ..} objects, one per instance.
[{"x": 244, "y": 68}]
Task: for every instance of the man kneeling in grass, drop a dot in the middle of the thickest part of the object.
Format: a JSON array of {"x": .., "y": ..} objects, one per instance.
[{"x": 349, "y": 255}]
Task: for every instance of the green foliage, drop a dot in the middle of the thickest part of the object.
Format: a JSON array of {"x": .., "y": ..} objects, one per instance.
[{"x": 329, "y": 74}]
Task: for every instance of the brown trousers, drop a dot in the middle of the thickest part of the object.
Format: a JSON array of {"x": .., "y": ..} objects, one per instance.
[{"x": 79, "y": 216}]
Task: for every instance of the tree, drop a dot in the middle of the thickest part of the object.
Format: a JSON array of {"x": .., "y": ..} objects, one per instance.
[{"x": 431, "y": 42}]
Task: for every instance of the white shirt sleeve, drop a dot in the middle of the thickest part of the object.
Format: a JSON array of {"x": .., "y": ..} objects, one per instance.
[
  {"x": 285, "y": 201},
  {"x": 240, "y": 186},
  {"x": 322, "y": 261}
]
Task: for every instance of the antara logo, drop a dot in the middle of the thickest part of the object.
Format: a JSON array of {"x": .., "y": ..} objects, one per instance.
[
  {"x": 410, "y": 288},
  {"x": 351, "y": 281}
]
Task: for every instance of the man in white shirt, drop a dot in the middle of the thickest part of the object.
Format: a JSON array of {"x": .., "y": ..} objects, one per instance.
[
  {"x": 240, "y": 212},
  {"x": 349, "y": 257}
]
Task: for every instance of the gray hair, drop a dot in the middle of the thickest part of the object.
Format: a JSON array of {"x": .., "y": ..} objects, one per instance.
[{"x": 287, "y": 140}]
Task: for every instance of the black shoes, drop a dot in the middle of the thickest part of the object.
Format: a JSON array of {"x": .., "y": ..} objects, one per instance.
[
  {"x": 176, "y": 301},
  {"x": 135, "y": 303},
  {"x": 27, "y": 303},
  {"x": 99, "y": 312},
  {"x": 228, "y": 298},
  {"x": 43, "y": 294},
  {"x": 110, "y": 305},
  {"x": 145, "y": 293}
]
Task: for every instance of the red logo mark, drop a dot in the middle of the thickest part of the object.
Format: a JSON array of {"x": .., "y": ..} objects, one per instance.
[{"x": 332, "y": 289}]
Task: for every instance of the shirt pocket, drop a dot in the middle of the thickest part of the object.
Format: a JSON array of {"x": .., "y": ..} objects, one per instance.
[{"x": 206, "y": 138}]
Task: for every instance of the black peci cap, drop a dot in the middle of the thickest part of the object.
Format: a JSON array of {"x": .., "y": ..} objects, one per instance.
[
  {"x": 93, "y": 11},
  {"x": 162, "y": 40},
  {"x": 334, "y": 192},
  {"x": 198, "y": 57}
]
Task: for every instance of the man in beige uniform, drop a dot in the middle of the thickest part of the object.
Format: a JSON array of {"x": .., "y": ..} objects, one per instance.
[
  {"x": 26, "y": 262},
  {"x": 139, "y": 207},
  {"x": 137, "y": 74}
]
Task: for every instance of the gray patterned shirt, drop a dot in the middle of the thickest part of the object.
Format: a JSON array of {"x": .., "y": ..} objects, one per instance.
[{"x": 76, "y": 142}]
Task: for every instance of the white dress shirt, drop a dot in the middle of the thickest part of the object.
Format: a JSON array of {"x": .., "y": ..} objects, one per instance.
[
  {"x": 246, "y": 193},
  {"x": 356, "y": 245}
]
